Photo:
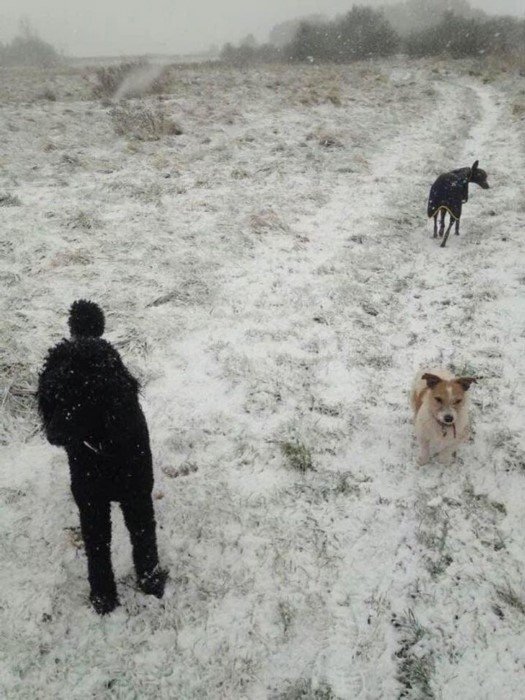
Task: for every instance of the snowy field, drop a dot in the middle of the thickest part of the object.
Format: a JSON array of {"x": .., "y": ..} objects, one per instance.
[{"x": 270, "y": 277}]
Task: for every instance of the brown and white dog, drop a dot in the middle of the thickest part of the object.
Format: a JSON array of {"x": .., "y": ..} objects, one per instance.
[{"x": 440, "y": 404}]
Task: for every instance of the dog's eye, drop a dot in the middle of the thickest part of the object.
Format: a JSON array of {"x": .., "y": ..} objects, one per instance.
[
  {"x": 438, "y": 399},
  {"x": 457, "y": 401}
]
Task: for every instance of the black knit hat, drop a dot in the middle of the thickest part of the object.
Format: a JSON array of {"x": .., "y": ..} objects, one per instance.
[{"x": 86, "y": 319}]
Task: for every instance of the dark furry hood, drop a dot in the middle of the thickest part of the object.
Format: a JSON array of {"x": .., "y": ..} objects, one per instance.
[
  {"x": 88, "y": 366},
  {"x": 83, "y": 388}
]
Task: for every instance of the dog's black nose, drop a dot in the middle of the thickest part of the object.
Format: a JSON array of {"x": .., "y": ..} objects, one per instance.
[{"x": 448, "y": 418}]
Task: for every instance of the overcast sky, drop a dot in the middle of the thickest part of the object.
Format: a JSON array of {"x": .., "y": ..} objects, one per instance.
[{"x": 114, "y": 27}]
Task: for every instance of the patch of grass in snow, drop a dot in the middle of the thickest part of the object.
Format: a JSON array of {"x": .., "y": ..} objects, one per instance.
[
  {"x": 326, "y": 139},
  {"x": 71, "y": 257},
  {"x": 508, "y": 442},
  {"x": 464, "y": 370},
  {"x": 298, "y": 456},
  {"x": 266, "y": 220},
  {"x": 47, "y": 94},
  {"x": 185, "y": 469},
  {"x": 17, "y": 402},
  {"x": 144, "y": 123},
  {"x": 306, "y": 689},
  {"x": 191, "y": 291},
  {"x": 415, "y": 675},
  {"x": 286, "y": 615},
  {"x": 311, "y": 96},
  {"x": 133, "y": 343},
  {"x": 9, "y": 200},
  {"x": 346, "y": 485},
  {"x": 415, "y": 664},
  {"x": 518, "y": 109},
  {"x": 434, "y": 537},
  {"x": 481, "y": 500},
  {"x": 149, "y": 194},
  {"x": 84, "y": 220},
  {"x": 508, "y": 596}
]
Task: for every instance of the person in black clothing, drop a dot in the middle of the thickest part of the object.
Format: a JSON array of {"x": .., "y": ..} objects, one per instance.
[{"x": 88, "y": 402}]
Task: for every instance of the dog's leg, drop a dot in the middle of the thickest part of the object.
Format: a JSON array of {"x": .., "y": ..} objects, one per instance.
[
  {"x": 140, "y": 521},
  {"x": 445, "y": 239},
  {"x": 442, "y": 223},
  {"x": 435, "y": 225},
  {"x": 446, "y": 456},
  {"x": 424, "y": 453},
  {"x": 457, "y": 227},
  {"x": 95, "y": 523}
]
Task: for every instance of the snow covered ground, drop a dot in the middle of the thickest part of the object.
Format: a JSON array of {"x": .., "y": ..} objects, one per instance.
[{"x": 270, "y": 277}]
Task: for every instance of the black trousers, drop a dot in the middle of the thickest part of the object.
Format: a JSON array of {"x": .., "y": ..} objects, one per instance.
[{"x": 95, "y": 483}]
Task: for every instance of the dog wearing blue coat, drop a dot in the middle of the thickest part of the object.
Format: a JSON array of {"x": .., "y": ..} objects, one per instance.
[{"x": 448, "y": 194}]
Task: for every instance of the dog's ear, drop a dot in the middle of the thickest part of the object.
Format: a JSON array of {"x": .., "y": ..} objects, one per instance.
[
  {"x": 431, "y": 380},
  {"x": 475, "y": 166},
  {"x": 465, "y": 382}
]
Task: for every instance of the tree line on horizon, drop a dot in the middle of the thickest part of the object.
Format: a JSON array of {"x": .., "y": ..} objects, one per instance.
[
  {"x": 417, "y": 28},
  {"x": 28, "y": 49},
  {"x": 364, "y": 32}
]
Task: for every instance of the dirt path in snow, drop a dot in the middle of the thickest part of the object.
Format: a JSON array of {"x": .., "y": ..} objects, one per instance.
[
  {"x": 349, "y": 273},
  {"x": 466, "y": 309},
  {"x": 408, "y": 547},
  {"x": 441, "y": 548}
]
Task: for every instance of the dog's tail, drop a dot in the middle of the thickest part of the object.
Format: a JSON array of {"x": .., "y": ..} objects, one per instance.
[{"x": 86, "y": 319}]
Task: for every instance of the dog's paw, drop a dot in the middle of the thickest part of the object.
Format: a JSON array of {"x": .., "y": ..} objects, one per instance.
[
  {"x": 422, "y": 460},
  {"x": 104, "y": 603},
  {"x": 154, "y": 583}
]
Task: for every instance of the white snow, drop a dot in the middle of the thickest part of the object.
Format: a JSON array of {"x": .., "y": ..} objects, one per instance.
[{"x": 268, "y": 289}]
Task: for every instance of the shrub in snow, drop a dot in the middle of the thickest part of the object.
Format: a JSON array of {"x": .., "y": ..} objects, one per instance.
[
  {"x": 144, "y": 123},
  {"x": 131, "y": 79}
]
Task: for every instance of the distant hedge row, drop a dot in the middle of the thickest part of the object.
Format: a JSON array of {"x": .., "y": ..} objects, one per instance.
[
  {"x": 461, "y": 37},
  {"x": 28, "y": 50},
  {"x": 365, "y": 33}
]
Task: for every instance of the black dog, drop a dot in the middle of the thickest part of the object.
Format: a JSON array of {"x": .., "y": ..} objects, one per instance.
[
  {"x": 89, "y": 404},
  {"x": 449, "y": 192}
]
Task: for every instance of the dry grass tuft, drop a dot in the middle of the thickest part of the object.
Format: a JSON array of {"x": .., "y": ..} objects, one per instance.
[
  {"x": 508, "y": 596},
  {"x": 71, "y": 257},
  {"x": 17, "y": 400},
  {"x": 47, "y": 94},
  {"x": 9, "y": 200},
  {"x": 144, "y": 123},
  {"x": 85, "y": 221},
  {"x": 266, "y": 220},
  {"x": 329, "y": 141},
  {"x": 142, "y": 80}
]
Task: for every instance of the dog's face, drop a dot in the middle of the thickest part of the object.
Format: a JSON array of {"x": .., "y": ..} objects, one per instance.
[
  {"x": 447, "y": 398},
  {"x": 479, "y": 176}
]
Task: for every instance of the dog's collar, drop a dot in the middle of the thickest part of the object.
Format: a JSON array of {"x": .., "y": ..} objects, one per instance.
[{"x": 445, "y": 426}]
